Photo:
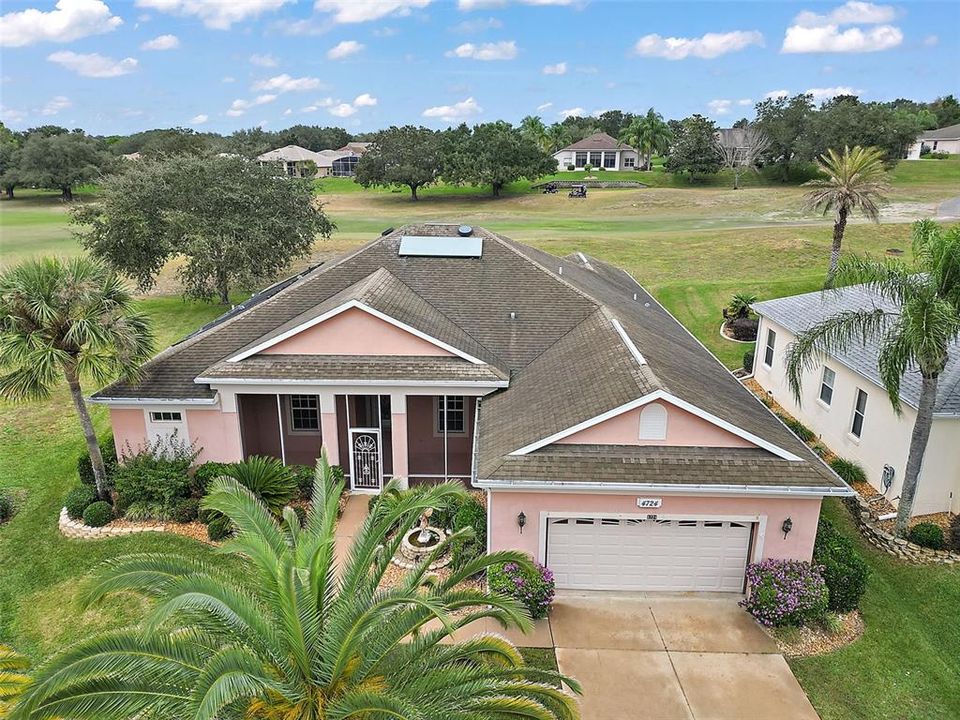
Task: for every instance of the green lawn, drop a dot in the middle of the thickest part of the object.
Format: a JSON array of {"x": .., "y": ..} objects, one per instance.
[{"x": 907, "y": 664}]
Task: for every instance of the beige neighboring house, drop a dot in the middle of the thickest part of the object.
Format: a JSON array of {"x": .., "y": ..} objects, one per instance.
[
  {"x": 844, "y": 402},
  {"x": 597, "y": 151},
  {"x": 944, "y": 140},
  {"x": 293, "y": 160}
]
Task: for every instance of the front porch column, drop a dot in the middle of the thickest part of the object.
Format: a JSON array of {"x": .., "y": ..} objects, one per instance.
[
  {"x": 398, "y": 428},
  {"x": 328, "y": 427}
]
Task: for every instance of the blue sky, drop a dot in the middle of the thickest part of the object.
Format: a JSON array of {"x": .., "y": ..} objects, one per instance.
[{"x": 117, "y": 66}]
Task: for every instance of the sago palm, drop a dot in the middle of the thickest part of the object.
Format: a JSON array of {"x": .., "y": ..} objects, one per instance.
[
  {"x": 855, "y": 180},
  {"x": 13, "y": 677},
  {"x": 70, "y": 319},
  {"x": 301, "y": 636},
  {"x": 916, "y": 321}
]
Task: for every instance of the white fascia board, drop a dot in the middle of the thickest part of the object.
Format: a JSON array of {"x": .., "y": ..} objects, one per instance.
[
  {"x": 492, "y": 384},
  {"x": 637, "y": 355},
  {"x": 367, "y": 309},
  {"x": 153, "y": 401},
  {"x": 663, "y": 489},
  {"x": 673, "y": 400}
]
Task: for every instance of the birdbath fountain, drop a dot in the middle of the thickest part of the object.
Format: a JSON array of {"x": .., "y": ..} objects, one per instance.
[{"x": 420, "y": 542}]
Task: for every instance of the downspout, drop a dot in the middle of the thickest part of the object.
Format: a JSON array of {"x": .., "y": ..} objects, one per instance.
[{"x": 474, "y": 451}]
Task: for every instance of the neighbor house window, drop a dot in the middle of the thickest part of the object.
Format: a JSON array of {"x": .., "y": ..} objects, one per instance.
[
  {"x": 629, "y": 162},
  {"x": 826, "y": 385},
  {"x": 610, "y": 160},
  {"x": 768, "y": 351},
  {"x": 596, "y": 158},
  {"x": 304, "y": 413},
  {"x": 165, "y": 416},
  {"x": 581, "y": 159},
  {"x": 451, "y": 414},
  {"x": 859, "y": 408}
]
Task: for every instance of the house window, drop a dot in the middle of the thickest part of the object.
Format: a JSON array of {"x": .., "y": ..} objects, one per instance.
[
  {"x": 859, "y": 408},
  {"x": 581, "y": 159},
  {"x": 826, "y": 385},
  {"x": 629, "y": 162},
  {"x": 768, "y": 351},
  {"x": 596, "y": 158},
  {"x": 451, "y": 414},
  {"x": 609, "y": 159},
  {"x": 165, "y": 416},
  {"x": 304, "y": 413}
]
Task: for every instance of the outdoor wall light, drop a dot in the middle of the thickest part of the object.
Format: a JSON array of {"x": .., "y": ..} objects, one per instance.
[
  {"x": 521, "y": 520},
  {"x": 786, "y": 527}
]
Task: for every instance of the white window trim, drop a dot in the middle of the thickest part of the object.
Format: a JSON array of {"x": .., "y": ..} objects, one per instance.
[
  {"x": 156, "y": 420},
  {"x": 833, "y": 388},
  {"x": 853, "y": 414},
  {"x": 772, "y": 348}
]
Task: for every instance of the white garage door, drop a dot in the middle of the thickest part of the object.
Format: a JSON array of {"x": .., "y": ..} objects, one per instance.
[{"x": 595, "y": 553}]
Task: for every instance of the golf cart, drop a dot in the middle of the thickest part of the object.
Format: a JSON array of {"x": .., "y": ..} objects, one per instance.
[{"x": 578, "y": 191}]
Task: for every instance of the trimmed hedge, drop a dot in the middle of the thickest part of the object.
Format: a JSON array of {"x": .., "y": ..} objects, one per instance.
[
  {"x": 205, "y": 474},
  {"x": 98, "y": 514},
  {"x": 848, "y": 470},
  {"x": 108, "y": 450},
  {"x": 748, "y": 361},
  {"x": 928, "y": 535},
  {"x": 185, "y": 510},
  {"x": 472, "y": 514},
  {"x": 955, "y": 533},
  {"x": 744, "y": 329},
  {"x": 844, "y": 569},
  {"x": 77, "y": 501}
]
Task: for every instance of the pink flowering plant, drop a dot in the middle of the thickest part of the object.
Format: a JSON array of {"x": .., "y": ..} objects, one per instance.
[
  {"x": 532, "y": 585},
  {"x": 785, "y": 592}
]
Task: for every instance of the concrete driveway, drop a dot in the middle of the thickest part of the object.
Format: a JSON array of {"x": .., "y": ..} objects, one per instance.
[{"x": 672, "y": 657}]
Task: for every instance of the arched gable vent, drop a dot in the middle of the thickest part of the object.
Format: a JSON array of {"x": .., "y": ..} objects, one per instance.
[{"x": 653, "y": 422}]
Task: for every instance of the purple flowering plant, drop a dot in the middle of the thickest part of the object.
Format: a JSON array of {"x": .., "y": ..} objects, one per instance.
[
  {"x": 532, "y": 585},
  {"x": 785, "y": 592}
]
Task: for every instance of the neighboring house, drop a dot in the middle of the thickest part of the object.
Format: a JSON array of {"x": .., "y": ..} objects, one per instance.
[
  {"x": 844, "y": 402},
  {"x": 293, "y": 160},
  {"x": 598, "y": 151},
  {"x": 944, "y": 140},
  {"x": 611, "y": 445}
]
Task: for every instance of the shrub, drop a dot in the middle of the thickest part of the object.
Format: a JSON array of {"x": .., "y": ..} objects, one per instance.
[
  {"x": 303, "y": 477},
  {"x": 141, "y": 511},
  {"x": 156, "y": 475},
  {"x": 745, "y": 328},
  {"x": 531, "y": 585},
  {"x": 798, "y": 428},
  {"x": 6, "y": 507},
  {"x": 601, "y": 169},
  {"x": 832, "y": 623},
  {"x": 848, "y": 470},
  {"x": 98, "y": 514},
  {"x": 938, "y": 156},
  {"x": 844, "y": 570},
  {"x": 748, "y": 361},
  {"x": 472, "y": 514},
  {"x": 928, "y": 535},
  {"x": 219, "y": 528},
  {"x": 185, "y": 510},
  {"x": 955, "y": 533},
  {"x": 571, "y": 167},
  {"x": 108, "y": 450},
  {"x": 785, "y": 592},
  {"x": 78, "y": 499},
  {"x": 267, "y": 478},
  {"x": 205, "y": 474},
  {"x": 443, "y": 516},
  {"x": 820, "y": 449},
  {"x": 301, "y": 513}
]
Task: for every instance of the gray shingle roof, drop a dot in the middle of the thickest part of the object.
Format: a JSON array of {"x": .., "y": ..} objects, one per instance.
[
  {"x": 799, "y": 312},
  {"x": 951, "y": 132}
]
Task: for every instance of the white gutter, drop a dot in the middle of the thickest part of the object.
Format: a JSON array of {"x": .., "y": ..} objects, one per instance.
[
  {"x": 384, "y": 383},
  {"x": 665, "y": 488},
  {"x": 153, "y": 401}
]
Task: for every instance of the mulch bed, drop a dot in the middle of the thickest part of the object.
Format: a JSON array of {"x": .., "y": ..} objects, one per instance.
[
  {"x": 811, "y": 640},
  {"x": 942, "y": 519}
]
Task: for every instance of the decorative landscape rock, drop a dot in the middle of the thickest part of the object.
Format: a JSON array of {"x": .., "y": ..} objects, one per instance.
[
  {"x": 898, "y": 547},
  {"x": 76, "y": 530}
]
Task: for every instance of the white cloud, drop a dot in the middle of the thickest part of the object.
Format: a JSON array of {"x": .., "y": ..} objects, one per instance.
[
  {"x": 239, "y": 106},
  {"x": 162, "y": 42},
  {"x": 467, "y": 5},
  {"x": 559, "y": 69},
  {"x": 743, "y": 102},
  {"x": 288, "y": 111},
  {"x": 358, "y": 11},
  {"x": 93, "y": 64},
  {"x": 228, "y": 79},
  {"x": 775, "y": 94},
  {"x": 385, "y": 32},
  {"x": 479, "y": 25},
  {"x": 199, "y": 119},
  {"x": 820, "y": 94},
  {"x": 719, "y": 107},
  {"x": 572, "y": 112},
  {"x": 364, "y": 100},
  {"x": 462, "y": 110},
  {"x": 812, "y": 32},
  {"x": 708, "y": 46},
  {"x": 503, "y": 50},
  {"x": 267, "y": 61},
  {"x": 344, "y": 49},
  {"x": 216, "y": 14},
  {"x": 55, "y": 105},
  {"x": 324, "y": 103},
  {"x": 544, "y": 106},
  {"x": 931, "y": 40},
  {"x": 285, "y": 83},
  {"x": 342, "y": 110},
  {"x": 69, "y": 20},
  {"x": 12, "y": 115}
]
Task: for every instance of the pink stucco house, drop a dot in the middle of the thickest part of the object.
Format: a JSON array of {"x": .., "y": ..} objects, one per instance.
[{"x": 611, "y": 445}]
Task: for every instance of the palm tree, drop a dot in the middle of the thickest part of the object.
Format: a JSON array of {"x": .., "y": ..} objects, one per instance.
[
  {"x": 532, "y": 128},
  {"x": 13, "y": 680},
  {"x": 649, "y": 134},
  {"x": 298, "y": 635},
  {"x": 855, "y": 180},
  {"x": 916, "y": 325},
  {"x": 74, "y": 317},
  {"x": 557, "y": 137}
]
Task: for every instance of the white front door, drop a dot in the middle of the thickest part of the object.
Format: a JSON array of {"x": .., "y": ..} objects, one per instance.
[
  {"x": 366, "y": 466},
  {"x": 616, "y": 553}
]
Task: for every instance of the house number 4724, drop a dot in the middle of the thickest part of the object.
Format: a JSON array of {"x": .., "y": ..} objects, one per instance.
[{"x": 649, "y": 502}]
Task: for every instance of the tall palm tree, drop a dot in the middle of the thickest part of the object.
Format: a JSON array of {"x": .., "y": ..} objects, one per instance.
[
  {"x": 13, "y": 677},
  {"x": 649, "y": 134},
  {"x": 72, "y": 318},
  {"x": 532, "y": 128},
  {"x": 557, "y": 137},
  {"x": 299, "y": 635},
  {"x": 855, "y": 179},
  {"x": 919, "y": 320}
]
